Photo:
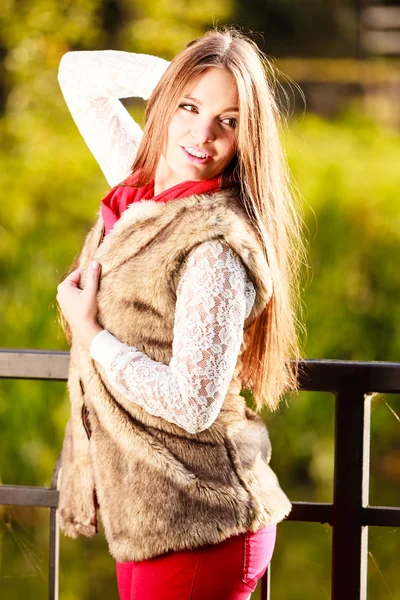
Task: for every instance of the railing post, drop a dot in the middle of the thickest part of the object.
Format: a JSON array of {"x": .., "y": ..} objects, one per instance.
[
  {"x": 266, "y": 584},
  {"x": 350, "y": 537},
  {"x": 54, "y": 554},
  {"x": 54, "y": 559}
]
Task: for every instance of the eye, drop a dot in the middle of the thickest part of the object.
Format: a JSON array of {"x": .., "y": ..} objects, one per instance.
[
  {"x": 188, "y": 107},
  {"x": 231, "y": 121}
]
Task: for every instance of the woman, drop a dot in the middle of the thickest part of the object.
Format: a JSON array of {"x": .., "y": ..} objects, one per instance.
[{"x": 183, "y": 293}]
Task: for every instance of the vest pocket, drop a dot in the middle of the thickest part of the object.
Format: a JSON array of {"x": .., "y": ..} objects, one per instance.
[
  {"x": 85, "y": 413},
  {"x": 85, "y": 421}
]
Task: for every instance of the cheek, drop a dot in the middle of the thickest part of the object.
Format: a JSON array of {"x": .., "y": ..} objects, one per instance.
[
  {"x": 172, "y": 134},
  {"x": 230, "y": 151},
  {"x": 177, "y": 126}
]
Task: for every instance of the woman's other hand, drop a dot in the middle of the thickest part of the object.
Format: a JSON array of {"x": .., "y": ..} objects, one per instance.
[{"x": 79, "y": 307}]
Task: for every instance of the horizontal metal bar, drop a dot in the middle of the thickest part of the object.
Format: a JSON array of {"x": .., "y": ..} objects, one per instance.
[
  {"x": 311, "y": 512},
  {"x": 34, "y": 364},
  {"x": 19, "y": 495},
  {"x": 315, "y": 375},
  {"x": 381, "y": 516},
  {"x": 336, "y": 375},
  {"x": 318, "y": 512}
]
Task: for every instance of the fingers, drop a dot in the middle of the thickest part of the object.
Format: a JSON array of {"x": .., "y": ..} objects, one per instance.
[
  {"x": 79, "y": 306},
  {"x": 92, "y": 283},
  {"x": 74, "y": 277},
  {"x": 72, "y": 280}
]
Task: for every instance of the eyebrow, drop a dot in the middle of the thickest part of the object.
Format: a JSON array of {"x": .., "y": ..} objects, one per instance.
[{"x": 229, "y": 109}]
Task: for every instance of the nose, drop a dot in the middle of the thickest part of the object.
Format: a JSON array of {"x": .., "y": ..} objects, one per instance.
[{"x": 203, "y": 131}]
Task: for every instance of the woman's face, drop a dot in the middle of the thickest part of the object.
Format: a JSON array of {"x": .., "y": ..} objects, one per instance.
[{"x": 201, "y": 137}]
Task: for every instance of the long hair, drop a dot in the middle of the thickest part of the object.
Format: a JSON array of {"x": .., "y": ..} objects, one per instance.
[{"x": 260, "y": 172}]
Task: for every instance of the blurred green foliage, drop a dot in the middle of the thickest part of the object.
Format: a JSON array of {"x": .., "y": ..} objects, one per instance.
[{"x": 347, "y": 174}]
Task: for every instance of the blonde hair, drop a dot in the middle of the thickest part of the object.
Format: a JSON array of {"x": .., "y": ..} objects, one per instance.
[{"x": 260, "y": 171}]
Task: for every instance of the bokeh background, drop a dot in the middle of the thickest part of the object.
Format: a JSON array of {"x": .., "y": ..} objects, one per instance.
[{"x": 343, "y": 147}]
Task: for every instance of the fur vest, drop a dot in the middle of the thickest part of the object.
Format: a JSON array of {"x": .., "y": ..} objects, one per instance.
[{"x": 160, "y": 488}]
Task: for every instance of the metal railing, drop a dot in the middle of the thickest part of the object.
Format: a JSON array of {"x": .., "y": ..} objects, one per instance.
[{"x": 349, "y": 515}]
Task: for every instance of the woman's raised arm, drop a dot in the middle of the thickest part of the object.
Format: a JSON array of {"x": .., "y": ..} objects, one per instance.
[{"x": 92, "y": 83}]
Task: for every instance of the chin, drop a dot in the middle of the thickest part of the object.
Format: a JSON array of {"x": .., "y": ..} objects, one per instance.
[
  {"x": 202, "y": 173},
  {"x": 189, "y": 172}
]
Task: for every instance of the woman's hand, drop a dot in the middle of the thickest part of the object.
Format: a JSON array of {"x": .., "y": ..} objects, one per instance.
[{"x": 79, "y": 307}]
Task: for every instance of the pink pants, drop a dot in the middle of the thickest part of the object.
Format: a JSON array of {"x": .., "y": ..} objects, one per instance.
[{"x": 226, "y": 571}]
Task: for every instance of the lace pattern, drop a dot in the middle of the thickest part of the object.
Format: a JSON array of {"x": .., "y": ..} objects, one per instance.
[
  {"x": 213, "y": 299},
  {"x": 92, "y": 83}
]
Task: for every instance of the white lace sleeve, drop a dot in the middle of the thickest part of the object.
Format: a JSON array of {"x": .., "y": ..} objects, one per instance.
[
  {"x": 92, "y": 83},
  {"x": 214, "y": 296}
]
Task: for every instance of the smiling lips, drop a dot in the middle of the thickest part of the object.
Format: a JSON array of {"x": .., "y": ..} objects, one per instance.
[{"x": 195, "y": 155}]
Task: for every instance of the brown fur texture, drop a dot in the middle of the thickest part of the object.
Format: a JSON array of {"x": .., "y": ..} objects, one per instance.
[{"x": 159, "y": 487}]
